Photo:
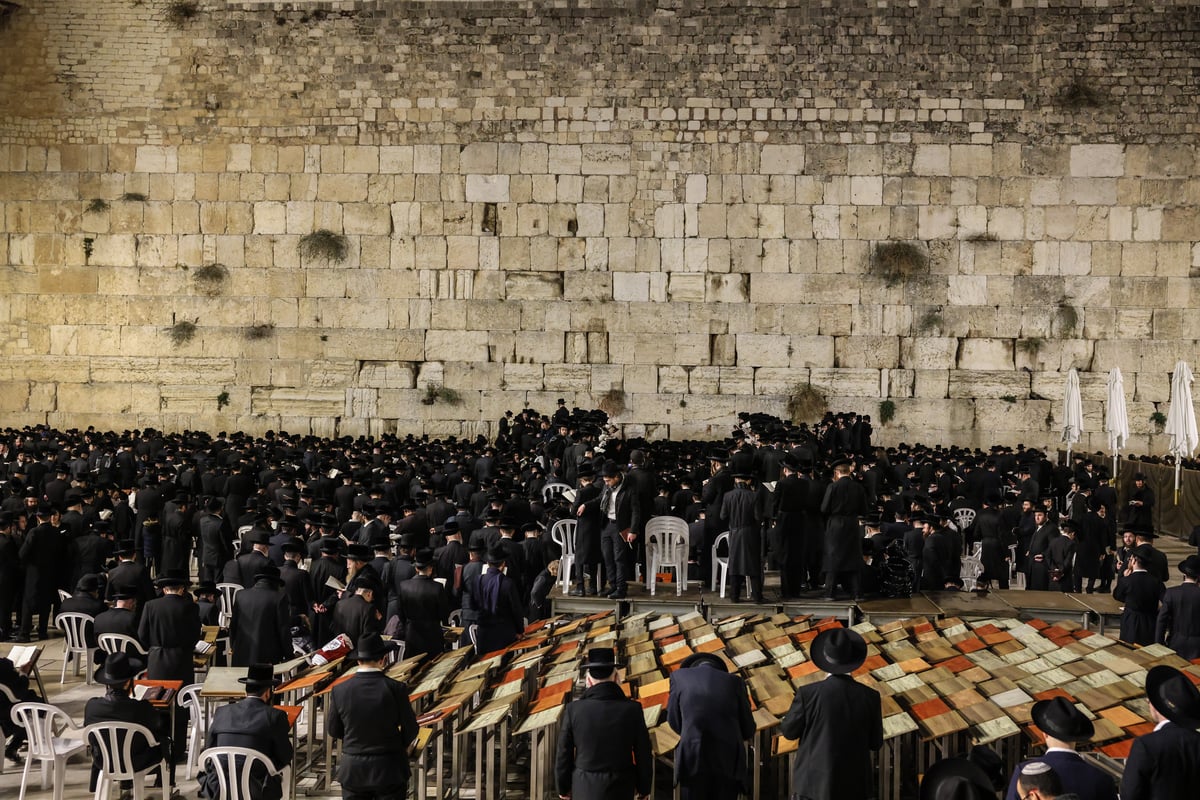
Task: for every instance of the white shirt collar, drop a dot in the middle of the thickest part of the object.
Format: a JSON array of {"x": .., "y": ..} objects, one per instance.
[{"x": 1162, "y": 724}]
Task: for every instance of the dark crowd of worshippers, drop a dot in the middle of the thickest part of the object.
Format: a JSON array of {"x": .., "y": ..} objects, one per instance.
[{"x": 400, "y": 535}]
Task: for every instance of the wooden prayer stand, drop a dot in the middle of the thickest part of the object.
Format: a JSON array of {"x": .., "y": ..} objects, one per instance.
[
  {"x": 490, "y": 728},
  {"x": 541, "y": 725}
]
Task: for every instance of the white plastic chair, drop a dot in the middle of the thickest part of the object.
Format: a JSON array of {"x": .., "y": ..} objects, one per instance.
[
  {"x": 562, "y": 533},
  {"x": 189, "y": 698},
  {"x": 666, "y": 548},
  {"x": 113, "y": 741},
  {"x": 970, "y": 571},
  {"x": 720, "y": 564},
  {"x": 46, "y": 744},
  {"x": 964, "y": 518},
  {"x": 232, "y": 766},
  {"x": 553, "y": 491},
  {"x": 120, "y": 643},
  {"x": 63, "y": 594},
  {"x": 225, "y": 602},
  {"x": 74, "y": 625}
]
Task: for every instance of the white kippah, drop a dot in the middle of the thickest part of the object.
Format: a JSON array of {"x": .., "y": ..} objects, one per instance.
[{"x": 1035, "y": 768}]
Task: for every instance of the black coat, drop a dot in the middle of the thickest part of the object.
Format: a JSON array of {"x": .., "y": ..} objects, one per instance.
[
  {"x": 603, "y": 747},
  {"x": 87, "y": 554},
  {"x": 845, "y": 501},
  {"x": 372, "y": 716},
  {"x": 424, "y": 606},
  {"x": 254, "y": 724},
  {"x": 176, "y": 540},
  {"x": 838, "y": 722},
  {"x": 1179, "y": 620},
  {"x": 587, "y": 528},
  {"x": 131, "y": 575},
  {"x": 44, "y": 554},
  {"x": 259, "y": 632},
  {"x": 122, "y": 708},
  {"x": 242, "y": 569},
  {"x": 215, "y": 542},
  {"x": 502, "y": 622},
  {"x": 298, "y": 587},
  {"x": 710, "y": 711},
  {"x": 169, "y": 629},
  {"x": 354, "y": 617},
  {"x": 116, "y": 620},
  {"x": 1140, "y": 591},
  {"x": 1163, "y": 765}
]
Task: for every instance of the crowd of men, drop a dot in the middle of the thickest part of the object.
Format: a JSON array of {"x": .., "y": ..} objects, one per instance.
[{"x": 402, "y": 535}]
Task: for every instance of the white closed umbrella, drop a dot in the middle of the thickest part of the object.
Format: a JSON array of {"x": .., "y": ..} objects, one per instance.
[
  {"x": 1181, "y": 419},
  {"x": 1072, "y": 412},
  {"x": 1116, "y": 416}
]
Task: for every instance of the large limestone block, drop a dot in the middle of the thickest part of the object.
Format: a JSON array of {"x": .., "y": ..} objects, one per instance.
[
  {"x": 846, "y": 382},
  {"x": 533, "y": 285},
  {"x": 672, "y": 380},
  {"x": 1097, "y": 160},
  {"x": 922, "y": 353},
  {"x": 567, "y": 377},
  {"x": 986, "y": 354},
  {"x": 969, "y": 383},
  {"x": 523, "y": 377},
  {"x": 488, "y": 189},
  {"x": 449, "y": 345},
  {"x": 930, "y": 414},
  {"x": 605, "y": 159},
  {"x": 755, "y": 350},
  {"x": 782, "y": 159},
  {"x": 878, "y": 352},
  {"x": 729, "y": 288},
  {"x": 777, "y": 381},
  {"x": 812, "y": 351}
]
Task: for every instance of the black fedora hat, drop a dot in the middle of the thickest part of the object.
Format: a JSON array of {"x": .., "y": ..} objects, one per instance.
[
  {"x": 172, "y": 578},
  {"x": 497, "y": 556},
  {"x": 423, "y": 558},
  {"x": 1058, "y": 717},
  {"x": 331, "y": 546},
  {"x": 696, "y": 659},
  {"x": 259, "y": 677},
  {"x": 601, "y": 658},
  {"x": 89, "y": 583},
  {"x": 956, "y": 779},
  {"x": 359, "y": 552},
  {"x": 119, "y": 668},
  {"x": 125, "y": 547},
  {"x": 123, "y": 592},
  {"x": 372, "y": 647},
  {"x": 269, "y": 572},
  {"x": 1174, "y": 696},
  {"x": 610, "y": 470},
  {"x": 1190, "y": 566},
  {"x": 839, "y": 650}
]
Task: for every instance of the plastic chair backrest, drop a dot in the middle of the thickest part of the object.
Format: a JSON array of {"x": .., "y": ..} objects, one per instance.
[
  {"x": 964, "y": 517},
  {"x": 722, "y": 539},
  {"x": 120, "y": 643},
  {"x": 670, "y": 535},
  {"x": 553, "y": 491},
  {"x": 38, "y": 721},
  {"x": 228, "y": 593},
  {"x": 74, "y": 625},
  {"x": 233, "y": 766},
  {"x": 114, "y": 742},
  {"x": 562, "y": 533}
]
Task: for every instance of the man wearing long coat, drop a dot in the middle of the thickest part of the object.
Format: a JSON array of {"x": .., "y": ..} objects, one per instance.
[
  {"x": 710, "y": 710},
  {"x": 169, "y": 629},
  {"x": 739, "y": 511},
  {"x": 845, "y": 502},
  {"x": 259, "y": 632}
]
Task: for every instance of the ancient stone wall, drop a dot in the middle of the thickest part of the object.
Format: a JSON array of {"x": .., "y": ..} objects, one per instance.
[{"x": 687, "y": 208}]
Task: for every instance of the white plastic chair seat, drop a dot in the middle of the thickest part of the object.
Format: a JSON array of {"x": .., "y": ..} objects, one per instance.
[
  {"x": 562, "y": 533},
  {"x": 228, "y": 591},
  {"x": 113, "y": 742},
  {"x": 666, "y": 548},
  {"x": 720, "y": 564},
  {"x": 46, "y": 744},
  {"x": 75, "y": 625},
  {"x": 120, "y": 643},
  {"x": 233, "y": 776},
  {"x": 969, "y": 572}
]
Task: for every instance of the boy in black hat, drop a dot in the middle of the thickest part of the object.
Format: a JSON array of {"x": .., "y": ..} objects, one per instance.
[
  {"x": 117, "y": 675},
  {"x": 253, "y": 723},
  {"x": 837, "y": 721},
  {"x": 1165, "y": 764},
  {"x": 372, "y": 716},
  {"x": 1063, "y": 726},
  {"x": 603, "y": 745}
]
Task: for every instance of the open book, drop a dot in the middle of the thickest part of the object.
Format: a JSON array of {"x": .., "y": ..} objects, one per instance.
[
  {"x": 24, "y": 657},
  {"x": 335, "y": 584}
]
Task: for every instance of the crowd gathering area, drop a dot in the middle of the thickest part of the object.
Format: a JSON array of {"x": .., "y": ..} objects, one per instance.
[{"x": 559, "y": 612}]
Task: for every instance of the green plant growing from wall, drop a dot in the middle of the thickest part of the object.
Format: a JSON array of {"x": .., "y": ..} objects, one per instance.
[
  {"x": 182, "y": 332},
  {"x": 887, "y": 411},
  {"x": 222, "y": 400},
  {"x": 325, "y": 245},
  {"x": 898, "y": 262},
  {"x": 179, "y": 12},
  {"x": 210, "y": 279},
  {"x": 1066, "y": 319},
  {"x": 612, "y": 402},
  {"x": 257, "y": 333},
  {"x": 806, "y": 403},
  {"x": 1078, "y": 95},
  {"x": 437, "y": 393},
  {"x": 96, "y": 206},
  {"x": 134, "y": 197},
  {"x": 1158, "y": 420}
]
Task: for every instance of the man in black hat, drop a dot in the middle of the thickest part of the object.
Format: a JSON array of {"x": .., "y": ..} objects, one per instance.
[
  {"x": 450, "y": 558},
  {"x": 1063, "y": 725},
  {"x": 10, "y": 574},
  {"x": 242, "y": 569},
  {"x": 1061, "y": 556},
  {"x": 130, "y": 574},
  {"x": 715, "y": 486},
  {"x": 86, "y": 600},
  {"x": 121, "y": 618},
  {"x": 1045, "y": 531},
  {"x": 260, "y": 630},
  {"x": 1165, "y": 764},
  {"x": 1141, "y": 504},
  {"x": 177, "y": 534},
  {"x": 255, "y": 724},
  {"x": 589, "y": 521},
  {"x": 215, "y": 538},
  {"x": 956, "y": 778},
  {"x": 1179, "y": 616},
  {"x": 603, "y": 746},
  {"x": 423, "y": 609},
  {"x": 117, "y": 675},
  {"x": 838, "y": 723},
  {"x": 1156, "y": 560},
  {"x": 329, "y": 565},
  {"x": 498, "y": 605},
  {"x": 297, "y": 585},
  {"x": 741, "y": 516},
  {"x": 789, "y": 505},
  {"x": 621, "y": 514},
  {"x": 710, "y": 710},
  {"x": 355, "y": 613},
  {"x": 43, "y": 553},
  {"x": 844, "y": 504},
  {"x": 1141, "y": 593},
  {"x": 169, "y": 630},
  {"x": 372, "y": 716}
]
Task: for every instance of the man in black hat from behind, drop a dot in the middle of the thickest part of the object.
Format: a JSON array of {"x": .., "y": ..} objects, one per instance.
[
  {"x": 372, "y": 716},
  {"x": 1179, "y": 615},
  {"x": 1156, "y": 560},
  {"x": 10, "y": 574},
  {"x": 710, "y": 710},
  {"x": 260, "y": 630},
  {"x": 242, "y": 569},
  {"x": 838, "y": 723},
  {"x": 117, "y": 675},
  {"x": 86, "y": 600},
  {"x": 255, "y": 724},
  {"x": 423, "y": 608},
  {"x": 844, "y": 504},
  {"x": 1165, "y": 764},
  {"x": 499, "y": 606},
  {"x": 329, "y": 565},
  {"x": 121, "y": 618},
  {"x": 603, "y": 746},
  {"x": 169, "y": 630},
  {"x": 1063, "y": 725},
  {"x": 44, "y": 554},
  {"x": 1140, "y": 592}
]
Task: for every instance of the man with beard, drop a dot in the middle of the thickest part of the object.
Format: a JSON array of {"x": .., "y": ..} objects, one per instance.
[{"x": 1039, "y": 571}]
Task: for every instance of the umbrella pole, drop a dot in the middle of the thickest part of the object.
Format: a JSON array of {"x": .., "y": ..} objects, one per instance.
[
  {"x": 1116, "y": 460},
  {"x": 1177, "y": 465}
]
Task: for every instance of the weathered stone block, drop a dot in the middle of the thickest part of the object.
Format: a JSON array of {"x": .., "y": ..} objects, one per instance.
[
  {"x": 878, "y": 352},
  {"x": 969, "y": 383},
  {"x": 986, "y": 354}
]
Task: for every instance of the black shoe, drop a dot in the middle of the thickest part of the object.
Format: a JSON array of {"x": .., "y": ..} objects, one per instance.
[
  {"x": 576, "y": 593},
  {"x": 12, "y": 755},
  {"x": 20, "y": 639},
  {"x": 617, "y": 594},
  {"x": 760, "y": 600}
]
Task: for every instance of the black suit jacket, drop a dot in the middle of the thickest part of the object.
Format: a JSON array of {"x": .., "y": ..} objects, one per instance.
[
  {"x": 116, "y": 620},
  {"x": 122, "y": 708},
  {"x": 254, "y": 724},
  {"x": 1163, "y": 765},
  {"x": 710, "y": 711},
  {"x": 603, "y": 747},
  {"x": 1179, "y": 620},
  {"x": 424, "y": 606},
  {"x": 132, "y": 575},
  {"x": 372, "y": 716},
  {"x": 169, "y": 629},
  {"x": 838, "y": 722},
  {"x": 259, "y": 632}
]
